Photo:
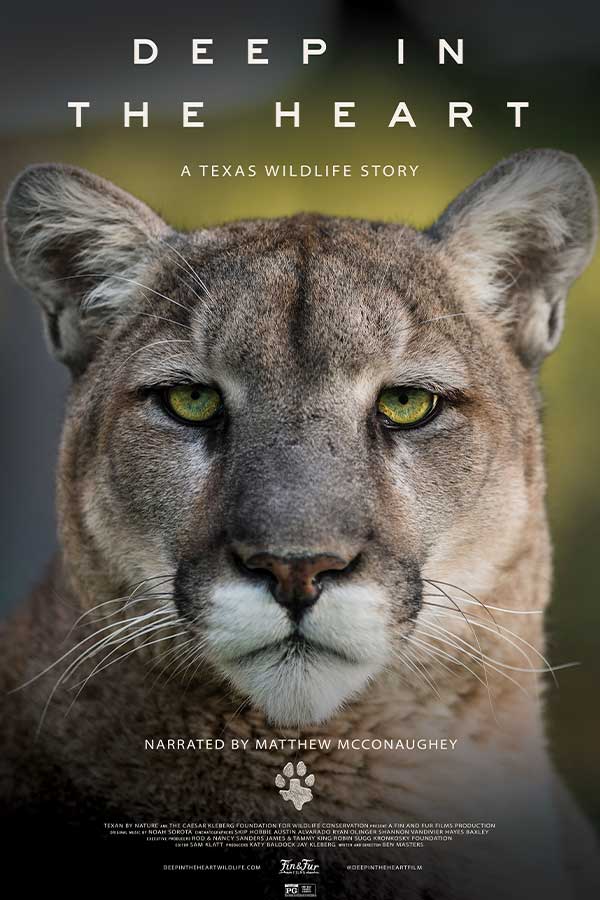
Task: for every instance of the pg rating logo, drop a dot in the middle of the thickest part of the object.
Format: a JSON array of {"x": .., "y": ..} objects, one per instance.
[{"x": 300, "y": 890}]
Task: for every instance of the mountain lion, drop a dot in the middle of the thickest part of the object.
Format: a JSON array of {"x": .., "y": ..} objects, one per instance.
[{"x": 301, "y": 493}]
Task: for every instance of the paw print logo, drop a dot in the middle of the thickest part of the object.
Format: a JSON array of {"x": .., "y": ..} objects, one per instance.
[{"x": 296, "y": 792}]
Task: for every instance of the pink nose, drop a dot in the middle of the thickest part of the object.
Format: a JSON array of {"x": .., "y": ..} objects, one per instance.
[{"x": 297, "y": 579}]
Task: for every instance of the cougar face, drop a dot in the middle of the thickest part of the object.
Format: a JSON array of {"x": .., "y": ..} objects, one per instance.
[{"x": 292, "y": 424}]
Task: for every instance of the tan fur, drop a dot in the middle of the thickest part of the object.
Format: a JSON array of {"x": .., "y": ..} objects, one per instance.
[{"x": 301, "y": 322}]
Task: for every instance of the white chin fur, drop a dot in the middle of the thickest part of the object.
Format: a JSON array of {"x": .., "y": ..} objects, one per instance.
[
  {"x": 296, "y": 687},
  {"x": 302, "y": 690}
]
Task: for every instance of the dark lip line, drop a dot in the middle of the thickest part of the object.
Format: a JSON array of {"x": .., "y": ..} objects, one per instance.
[{"x": 299, "y": 641}]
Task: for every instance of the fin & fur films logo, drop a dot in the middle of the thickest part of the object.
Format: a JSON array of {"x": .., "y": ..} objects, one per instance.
[{"x": 299, "y": 867}]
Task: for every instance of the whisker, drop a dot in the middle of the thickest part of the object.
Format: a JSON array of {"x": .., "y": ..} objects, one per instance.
[
  {"x": 65, "y": 655},
  {"x": 87, "y": 654},
  {"x": 117, "y": 643},
  {"x": 184, "y": 657},
  {"x": 547, "y": 665},
  {"x": 181, "y": 662},
  {"x": 174, "y": 651},
  {"x": 448, "y": 597},
  {"x": 451, "y": 615},
  {"x": 479, "y": 659},
  {"x": 147, "y": 347},
  {"x": 104, "y": 664},
  {"x": 427, "y": 648},
  {"x": 192, "y": 666},
  {"x": 236, "y": 713},
  {"x": 146, "y": 287},
  {"x": 514, "y": 612},
  {"x": 136, "y": 587},
  {"x": 436, "y": 662},
  {"x": 477, "y": 655},
  {"x": 464, "y": 665},
  {"x": 128, "y": 604},
  {"x": 201, "y": 660},
  {"x": 462, "y": 590},
  {"x": 189, "y": 287},
  {"x": 165, "y": 319},
  {"x": 150, "y": 578},
  {"x": 109, "y": 639},
  {"x": 419, "y": 669},
  {"x": 190, "y": 267}
]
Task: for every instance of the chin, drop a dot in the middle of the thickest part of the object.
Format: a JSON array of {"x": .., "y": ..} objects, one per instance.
[{"x": 297, "y": 687}]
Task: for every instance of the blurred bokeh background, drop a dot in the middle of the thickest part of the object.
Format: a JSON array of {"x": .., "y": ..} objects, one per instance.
[{"x": 543, "y": 51}]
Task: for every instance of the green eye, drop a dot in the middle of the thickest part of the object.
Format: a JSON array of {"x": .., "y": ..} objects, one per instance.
[
  {"x": 193, "y": 403},
  {"x": 406, "y": 406}
]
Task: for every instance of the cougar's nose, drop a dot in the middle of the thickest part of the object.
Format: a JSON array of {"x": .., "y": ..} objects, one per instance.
[{"x": 295, "y": 581}]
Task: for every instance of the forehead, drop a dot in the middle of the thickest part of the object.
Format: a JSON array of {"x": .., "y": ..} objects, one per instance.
[{"x": 311, "y": 292}]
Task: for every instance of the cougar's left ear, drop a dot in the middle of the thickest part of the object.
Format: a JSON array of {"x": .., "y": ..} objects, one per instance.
[
  {"x": 79, "y": 244},
  {"x": 520, "y": 236}
]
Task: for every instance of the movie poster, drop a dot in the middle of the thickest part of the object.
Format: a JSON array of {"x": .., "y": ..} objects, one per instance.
[{"x": 299, "y": 349}]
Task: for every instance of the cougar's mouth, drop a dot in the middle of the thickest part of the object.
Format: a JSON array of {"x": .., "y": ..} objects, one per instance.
[
  {"x": 297, "y": 673},
  {"x": 295, "y": 645}
]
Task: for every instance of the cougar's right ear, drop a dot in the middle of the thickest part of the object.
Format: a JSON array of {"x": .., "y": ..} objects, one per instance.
[{"x": 79, "y": 244}]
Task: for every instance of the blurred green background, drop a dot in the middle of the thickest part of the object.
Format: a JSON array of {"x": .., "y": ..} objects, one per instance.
[{"x": 561, "y": 84}]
